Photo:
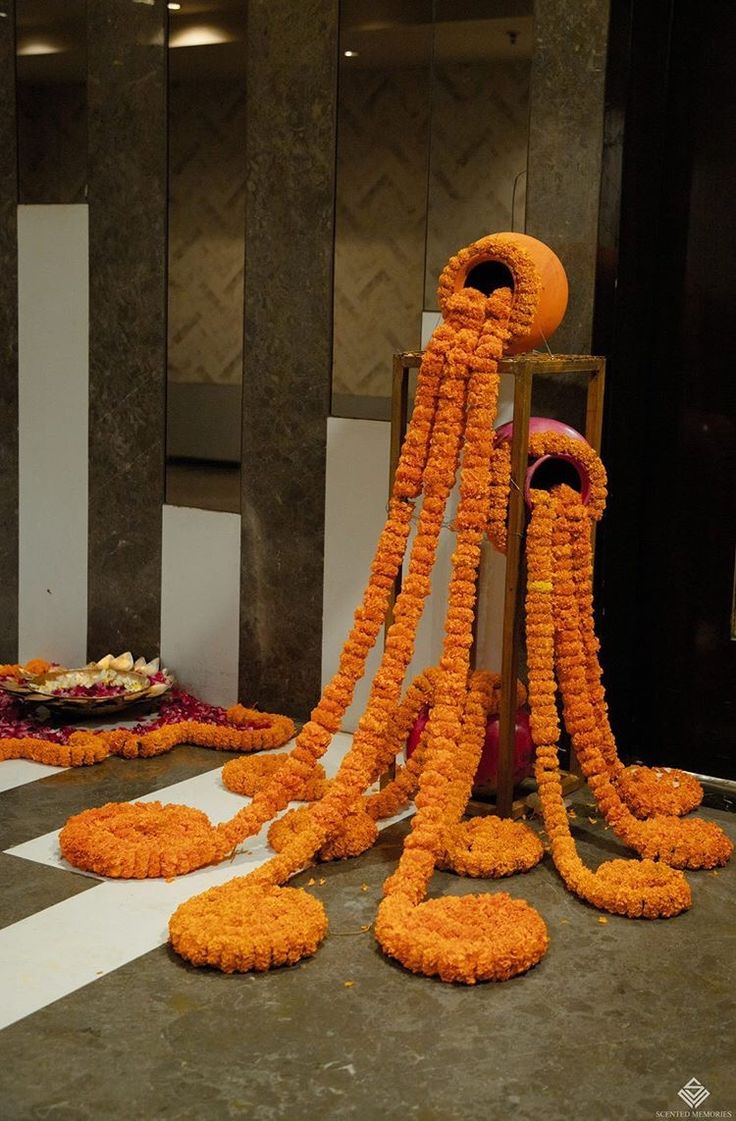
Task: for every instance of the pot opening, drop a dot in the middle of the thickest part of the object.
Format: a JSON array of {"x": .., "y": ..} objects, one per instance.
[
  {"x": 487, "y": 276},
  {"x": 552, "y": 471}
]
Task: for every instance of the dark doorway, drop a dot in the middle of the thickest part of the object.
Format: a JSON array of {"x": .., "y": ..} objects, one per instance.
[{"x": 666, "y": 306}]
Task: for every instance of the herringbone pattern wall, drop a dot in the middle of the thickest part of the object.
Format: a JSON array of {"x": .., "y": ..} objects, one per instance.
[
  {"x": 479, "y": 145},
  {"x": 401, "y": 208},
  {"x": 206, "y": 231},
  {"x": 395, "y": 229},
  {"x": 383, "y": 148}
]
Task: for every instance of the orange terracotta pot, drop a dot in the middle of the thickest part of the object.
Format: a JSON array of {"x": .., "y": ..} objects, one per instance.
[{"x": 483, "y": 265}]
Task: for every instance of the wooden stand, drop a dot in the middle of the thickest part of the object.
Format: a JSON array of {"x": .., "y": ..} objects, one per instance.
[{"x": 523, "y": 369}]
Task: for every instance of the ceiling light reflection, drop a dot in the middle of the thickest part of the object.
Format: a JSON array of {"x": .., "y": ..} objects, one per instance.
[
  {"x": 201, "y": 35},
  {"x": 39, "y": 47}
]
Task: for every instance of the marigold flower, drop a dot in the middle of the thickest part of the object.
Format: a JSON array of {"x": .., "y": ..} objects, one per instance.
[
  {"x": 464, "y": 939},
  {"x": 251, "y": 774},
  {"x": 354, "y": 834},
  {"x": 238, "y": 927},
  {"x": 490, "y": 847},
  {"x": 135, "y": 840},
  {"x": 658, "y": 790}
]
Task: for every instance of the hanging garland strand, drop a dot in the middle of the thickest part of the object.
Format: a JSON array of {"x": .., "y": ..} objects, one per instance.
[
  {"x": 646, "y": 790},
  {"x": 90, "y": 842},
  {"x": 439, "y": 476},
  {"x": 417, "y": 933},
  {"x": 474, "y": 323},
  {"x": 466, "y": 319},
  {"x": 478, "y": 325},
  {"x": 192, "y": 929},
  {"x": 401, "y": 790},
  {"x": 317, "y": 733},
  {"x": 638, "y": 890},
  {"x": 689, "y": 844}
]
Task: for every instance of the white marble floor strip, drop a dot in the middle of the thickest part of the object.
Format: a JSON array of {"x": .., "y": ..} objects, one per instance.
[
  {"x": 59, "y": 950},
  {"x": 18, "y": 772}
]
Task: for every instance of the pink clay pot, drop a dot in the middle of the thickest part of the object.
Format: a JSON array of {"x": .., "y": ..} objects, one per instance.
[
  {"x": 488, "y": 766},
  {"x": 505, "y": 432}
]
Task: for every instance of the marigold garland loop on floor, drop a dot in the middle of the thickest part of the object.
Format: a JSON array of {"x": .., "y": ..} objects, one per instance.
[
  {"x": 238, "y": 927},
  {"x": 490, "y": 847},
  {"x": 135, "y": 840},
  {"x": 467, "y": 939},
  {"x": 251, "y": 774},
  {"x": 182, "y": 720},
  {"x": 355, "y": 834},
  {"x": 658, "y": 790},
  {"x": 254, "y": 922}
]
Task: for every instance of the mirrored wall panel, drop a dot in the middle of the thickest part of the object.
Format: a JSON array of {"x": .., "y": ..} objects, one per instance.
[
  {"x": 432, "y": 148},
  {"x": 206, "y": 249},
  {"x": 479, "y": 127},
  {"x": 51, "y": 67},
  {"x": 383, "y": 139}
]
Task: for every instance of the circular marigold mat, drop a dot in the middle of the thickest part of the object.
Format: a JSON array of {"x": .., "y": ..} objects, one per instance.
[
  {"x": 134, "y": 840},
  {"x": 465, "y": 938},
  {"x": 239, "y": 927},
  {"x": 356, "y": 833},
  {"x": 659, "y": 790},
  {"x": 640, "y": 889},
  {"x": 689, "y": 844},
  {"x": 490, "y": 847},
  {"x": 251, "y": 773}
]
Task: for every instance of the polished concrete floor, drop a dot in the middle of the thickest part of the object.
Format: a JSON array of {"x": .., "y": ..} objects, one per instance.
[{"x": 612, "y": 1023}]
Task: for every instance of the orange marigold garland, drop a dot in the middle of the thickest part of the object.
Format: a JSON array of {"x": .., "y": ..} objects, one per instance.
[
  {"x": 467, "y": 331},
  {"x": 498, "y": 502},
  {"x": 360, "y": 764},
  {"x": 645, "y": 790},
  {"x": 490, "y": 847},
  {"x": 250, "y": 774},
  {"x": 631, "y": 888},
  {"x": 398, "y": 793},
  {"x": 683, "y": 844},
  {"x": 78, "y": 752},
  {"x": 401, "y": 790},
  {"x": 477, "y": 342},
  {"x": 356, "y": 833},
  {"x": 299, "y": 767},
  {"x": 429, "y": 423},
  {"x": 658, "y": 790},
  {"x": 237, "y": 729},
  {"x": 240, "y": 927},
  {"x": 255, "y": 923},
  {"x": 478, "y": 937},
  {"x": 465, "y": 939},
  {"x": 117, "y": 840}
]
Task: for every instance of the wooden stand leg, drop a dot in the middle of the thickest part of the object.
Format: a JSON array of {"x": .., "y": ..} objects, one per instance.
[
  {"x": 513, "y": 592},
  {"x": 399, "y": 424}
]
